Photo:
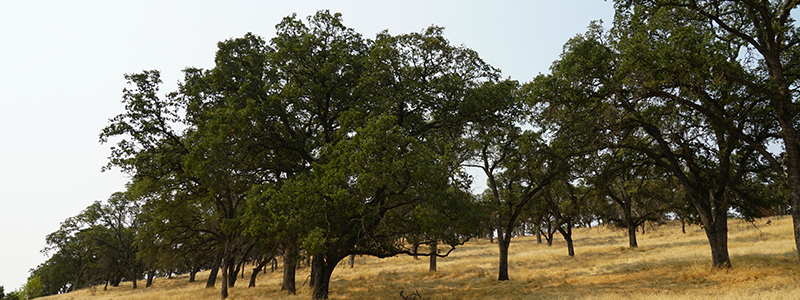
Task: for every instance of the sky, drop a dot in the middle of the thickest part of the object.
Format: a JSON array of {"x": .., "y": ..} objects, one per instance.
[{"x": 62, "y": 65}]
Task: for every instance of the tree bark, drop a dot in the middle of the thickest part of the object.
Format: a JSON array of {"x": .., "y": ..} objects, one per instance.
[
  {"x": 352, "y": 260},
  {"x": 433, "y": 258},
  {"x": 212, "y": 278},
  {"x": 568, "y": 237},
  {"x": 261, "y": 264},
  {"x": 503, "y": 244},
  {"x": 223, "y": 292},
  {"x": 150, "y": 275},
  {"x": 289, "y": 266},
  {"x": 322, "y": 269},
  {"x": 628, "y": 211}
]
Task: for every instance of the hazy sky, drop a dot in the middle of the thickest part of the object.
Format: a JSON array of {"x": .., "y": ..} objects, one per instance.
[{"x": 62, "y": 66}]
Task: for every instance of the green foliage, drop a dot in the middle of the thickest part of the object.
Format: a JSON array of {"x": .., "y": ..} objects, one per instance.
[
  {"x": 15, "y": 295},
  {"x": 323, "y": 140},
  {"x": 33, "y": 288}
]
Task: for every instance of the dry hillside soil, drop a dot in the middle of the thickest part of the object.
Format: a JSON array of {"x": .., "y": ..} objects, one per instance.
[{"x": 667, "y": 265}]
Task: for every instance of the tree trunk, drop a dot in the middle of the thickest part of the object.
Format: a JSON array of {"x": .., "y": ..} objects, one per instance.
[
  {"x": 352, "y": 260},
  {"x": 223, "y": 292},
  {"x": 233, "y": 271},
  {"x": 433, "y": 258},
  {"x": 503, "y": 243},
  {"x": 150, "y": 275},
  {"x": 289, "y": 266},
  {"x": 322, "y": 269},
  {"x": 192, "y": 275},
  {"x": 793, "y": 177},
  {"x": 683, "y": 226},
  {"x": 630, "y": 224},
  {"x": 538, "y": 236},
  {"x": 568, "y": 237},
  {"x": 261, "y": 264},
  {"x": 718, "y": 237},
  {"x": 215, "y": 265}
]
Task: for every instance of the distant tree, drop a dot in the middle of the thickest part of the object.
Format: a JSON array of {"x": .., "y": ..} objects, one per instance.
[
  {"x": 33, "y": 288},
  {"x": 637, "y": 192},
  {"x": 15, "y": 295}
]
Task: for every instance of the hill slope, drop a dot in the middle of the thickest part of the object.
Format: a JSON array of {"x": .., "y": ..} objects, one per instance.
[{"x": 668, "y": 265}]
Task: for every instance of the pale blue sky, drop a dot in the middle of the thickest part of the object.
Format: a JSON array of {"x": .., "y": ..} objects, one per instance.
[{"x": 62, "y": 66}]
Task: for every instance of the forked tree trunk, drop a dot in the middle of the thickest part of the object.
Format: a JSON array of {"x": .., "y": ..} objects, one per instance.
[
  {"x": 150, "y": 275},
  {"x": 322, "y": 269},
  {"x": 568, "y": 237}
]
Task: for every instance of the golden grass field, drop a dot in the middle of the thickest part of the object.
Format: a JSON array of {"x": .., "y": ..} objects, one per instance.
[{"x": 667, "y": 265}]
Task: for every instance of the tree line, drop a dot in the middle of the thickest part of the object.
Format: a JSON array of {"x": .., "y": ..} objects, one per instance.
[{"x": 320, "y": 144}]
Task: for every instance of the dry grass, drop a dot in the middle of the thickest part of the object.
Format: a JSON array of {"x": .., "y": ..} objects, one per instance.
[{"x": 668, "y": 265}]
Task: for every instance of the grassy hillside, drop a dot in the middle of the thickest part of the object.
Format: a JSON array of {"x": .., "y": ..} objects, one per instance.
[{"x": 668, "y": 265}]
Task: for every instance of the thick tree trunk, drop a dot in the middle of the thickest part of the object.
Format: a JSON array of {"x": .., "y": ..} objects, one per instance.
[
  {"x": 223, "y": 292},
  {"x": 322, "y": 270},
  {"x": 718, "y": 238},
  {"x": 433, "y": 258},
  {"x": 192, "y": 275},
  {"x": 352, "y": 260},
  {"x": 793, "y": 177},
  {"x": 289, "y": 267},
  {"x": 233, "y": 271},
  {"x": 503, "y": 243},
  {"x": 538, "y": 236}
]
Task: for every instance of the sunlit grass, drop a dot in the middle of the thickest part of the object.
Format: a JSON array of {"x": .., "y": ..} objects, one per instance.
[{"x": 667, "y": 265}]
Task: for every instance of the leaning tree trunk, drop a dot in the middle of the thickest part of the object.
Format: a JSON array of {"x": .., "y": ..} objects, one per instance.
[
  {"x": 215, "y": 265},
  {"x": 261, "y": 264},
  {"x": 568, "y": 237}
]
